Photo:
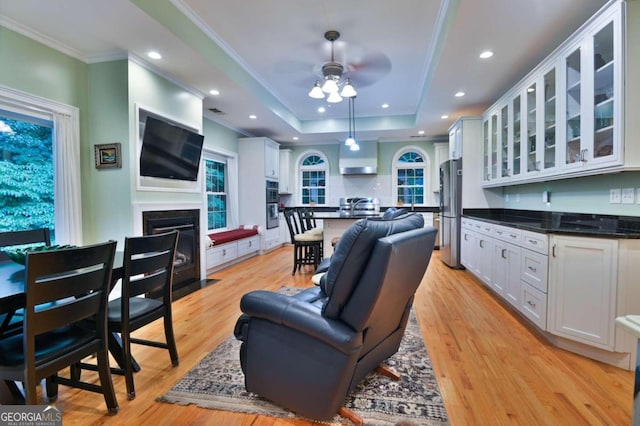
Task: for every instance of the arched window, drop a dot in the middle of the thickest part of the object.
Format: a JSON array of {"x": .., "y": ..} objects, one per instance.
[
  {"x": 410, "y": 176},
  {"x": 314, "y": 169}
]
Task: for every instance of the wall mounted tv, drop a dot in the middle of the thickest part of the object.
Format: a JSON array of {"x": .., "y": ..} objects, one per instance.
[{"x": 169, "y": 151}]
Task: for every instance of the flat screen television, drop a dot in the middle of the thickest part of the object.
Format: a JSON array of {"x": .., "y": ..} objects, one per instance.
[{"x": 169, "y": 151}]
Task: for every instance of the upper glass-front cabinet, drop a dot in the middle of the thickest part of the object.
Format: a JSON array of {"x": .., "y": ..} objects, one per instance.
[
  {"x": 516, "y": 130},
  {"x": 604, "y": 110},
  {"x": 566, "y": 117}
]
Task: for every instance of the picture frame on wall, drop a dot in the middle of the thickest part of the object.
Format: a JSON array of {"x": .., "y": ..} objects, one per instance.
[{"x": 108, "y": 156}]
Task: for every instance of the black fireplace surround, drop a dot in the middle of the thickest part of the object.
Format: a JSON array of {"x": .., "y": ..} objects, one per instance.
[{"x": 186, "y": 269}]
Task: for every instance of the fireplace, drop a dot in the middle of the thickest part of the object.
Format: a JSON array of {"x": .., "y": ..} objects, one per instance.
[{"x": 186, "y": 265}]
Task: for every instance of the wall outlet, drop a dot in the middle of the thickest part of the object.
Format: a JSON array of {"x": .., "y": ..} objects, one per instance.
[
  {"x": 628, "y": 195},
  {"x": 614, "y": 196}
]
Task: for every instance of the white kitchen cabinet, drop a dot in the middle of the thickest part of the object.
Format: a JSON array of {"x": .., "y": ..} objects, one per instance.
[
  {"x": 468, "y": 252},
  {"x": 582, "y": 289},
  {"x": 455, "y": 140},
  {"x": 506, "y": 259},
  {"x": 476, "y": 248},
  {"x": 441, "y": 154},
  {"x": 566, "y": 115},
  {"x": 271, "y": 159},
  {"x": 284, "y": 182},
  {"x": 285, "y": 237},
  {"x": 255, "y": 166}
]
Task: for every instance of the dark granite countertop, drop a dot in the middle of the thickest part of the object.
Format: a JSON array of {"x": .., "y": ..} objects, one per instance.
[{"x": 579, "y": 224}]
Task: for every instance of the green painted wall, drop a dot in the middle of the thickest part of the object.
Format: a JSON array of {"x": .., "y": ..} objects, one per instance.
[
  {"x": 579, "y": 195},
  {"x": 108, "y": 122},
  {"x": 37, "y": 69},
  {"x": 217, "y": 136}
]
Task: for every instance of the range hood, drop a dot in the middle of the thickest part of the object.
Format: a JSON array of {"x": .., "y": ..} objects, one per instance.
[{"x": 362, "y": 162}]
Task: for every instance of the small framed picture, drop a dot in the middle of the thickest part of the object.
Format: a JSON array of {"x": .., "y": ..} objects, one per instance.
[{"x": 108, "y": 156}]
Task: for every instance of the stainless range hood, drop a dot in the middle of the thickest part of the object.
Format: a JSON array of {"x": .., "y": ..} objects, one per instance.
[{"x": 362, "y": 162}]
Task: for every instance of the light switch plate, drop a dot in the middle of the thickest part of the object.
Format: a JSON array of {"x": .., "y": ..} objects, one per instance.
[
  {"x": 614, "y": 196},
  {"x": 628, "y": 195}
]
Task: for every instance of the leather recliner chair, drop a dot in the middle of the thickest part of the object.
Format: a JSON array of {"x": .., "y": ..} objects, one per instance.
[{"x": 308, "y": 351}]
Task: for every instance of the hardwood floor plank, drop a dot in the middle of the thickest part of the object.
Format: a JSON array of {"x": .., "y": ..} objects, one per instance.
[{"x": 491, "y": 366}]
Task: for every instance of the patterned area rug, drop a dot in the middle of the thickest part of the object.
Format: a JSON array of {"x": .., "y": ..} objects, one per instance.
[{"x": 217, "y": 382}]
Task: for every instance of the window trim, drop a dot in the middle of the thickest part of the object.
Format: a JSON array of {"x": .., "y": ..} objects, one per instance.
[
  {"x": 427, "y": 172},
  {"x": 231, "y": 160},
  {"x": 300, "y": 168}
]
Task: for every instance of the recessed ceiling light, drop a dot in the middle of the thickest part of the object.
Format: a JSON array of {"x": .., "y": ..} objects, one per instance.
[
  {"x": 321, "y": 109},
  {"x": 154, "y": 55},
  {"x": 421, "y": 132},
  {"x": 460, "y": 94},
  {"x": 295, "y": 138},
  {"x": 253, "y": 116},
  {"x": 444, "y": 117},
  {"x": 214, "y": 92},
  {"x": 385, "y": 105},
  {"x": 486, "y": 54}
]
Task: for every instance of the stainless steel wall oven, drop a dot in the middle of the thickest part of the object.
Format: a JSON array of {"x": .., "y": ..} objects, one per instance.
[{"x": 272, "y": 204}]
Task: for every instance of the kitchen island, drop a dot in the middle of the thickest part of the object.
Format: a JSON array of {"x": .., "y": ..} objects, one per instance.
[{"x": 334, "y": 224}]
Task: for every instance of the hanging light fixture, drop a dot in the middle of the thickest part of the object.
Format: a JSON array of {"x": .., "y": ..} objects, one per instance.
[
  {"x": 351, "y": 140},
  {"x": 332, "y": 73}
]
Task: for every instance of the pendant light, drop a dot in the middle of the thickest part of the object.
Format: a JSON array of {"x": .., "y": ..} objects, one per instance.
[{"x": 351, "y": 140}]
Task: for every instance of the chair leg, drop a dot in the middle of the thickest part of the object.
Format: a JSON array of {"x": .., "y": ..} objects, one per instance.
[
  {"x": 171, "y": 341},
  {"x": 128, "y": 369},
  {"x": 104, "y": 371},
  {"x": 52, "y": 388},
  {"x": 76, "y": 371}
]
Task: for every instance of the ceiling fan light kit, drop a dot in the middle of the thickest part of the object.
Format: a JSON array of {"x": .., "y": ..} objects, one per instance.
[{"x": 332, "y": 73}]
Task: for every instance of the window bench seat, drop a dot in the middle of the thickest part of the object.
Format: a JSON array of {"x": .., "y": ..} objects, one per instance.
[{"x": 229, "y": 247}]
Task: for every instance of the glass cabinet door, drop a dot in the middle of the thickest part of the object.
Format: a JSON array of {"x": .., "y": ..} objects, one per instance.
[
  {"x": 505, "y": 170},
  {"x": 515, "y": 130},
  {"x": 550, "y": 120},
  {"x": 603, "y": 92},
  {"x": 573, "y": 106},
  {"x": 532, "y": 162},
  {"x": 485, "y": 150},
  {"x": 494, "y": 146}
]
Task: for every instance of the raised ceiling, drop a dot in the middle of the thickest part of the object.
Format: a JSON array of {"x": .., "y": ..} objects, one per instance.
[{"x": 264, "y": 56}]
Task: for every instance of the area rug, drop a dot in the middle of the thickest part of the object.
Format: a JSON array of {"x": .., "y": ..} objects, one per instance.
[{"x": 217, "y": 382}]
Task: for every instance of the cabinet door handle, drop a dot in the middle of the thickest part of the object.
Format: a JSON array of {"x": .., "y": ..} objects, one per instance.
[
  {"x": 530, "y": 303},
  {"x": 499, "y": 232},
  {"x": 224, "y": 252},
  {"x": 250, "y": 243},
  {"x": 531, "y": 268},
  {"x": 534, "y": 242},
  {"x": 481, "y": 244},
  {"x": 504, "y": 253},
  {"x": 553, "y": 251}
]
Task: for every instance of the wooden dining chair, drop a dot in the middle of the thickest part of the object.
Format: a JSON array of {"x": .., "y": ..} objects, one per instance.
[
  {"x": 63, "y": 288},
  {"x": 11, "y": 322},
  {"x": 307, "y": 247},
  {"x": 148, "y": 268}
]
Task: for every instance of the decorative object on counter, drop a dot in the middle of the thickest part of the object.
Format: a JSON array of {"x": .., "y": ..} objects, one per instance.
[{"x": 20, "y": 255}]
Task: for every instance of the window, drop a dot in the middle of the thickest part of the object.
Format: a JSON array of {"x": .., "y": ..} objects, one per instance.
[
  {"x": 411, "y": 169},
  {"x": 313, "y": 172},
  {"x": 216, "y": 178},
  {"x": 26, "y": 173}
]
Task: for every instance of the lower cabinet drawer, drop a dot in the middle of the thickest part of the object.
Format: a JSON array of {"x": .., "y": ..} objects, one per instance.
[
  {"x": 248, "y": 245},
  {"x": 534, "y": 305},
  {"x": 534, "y": 269},
  {"x": 221, "y": 254}
]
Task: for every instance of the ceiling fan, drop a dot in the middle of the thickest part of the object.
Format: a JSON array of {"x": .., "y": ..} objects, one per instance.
[{"x": 333, "y": 85}]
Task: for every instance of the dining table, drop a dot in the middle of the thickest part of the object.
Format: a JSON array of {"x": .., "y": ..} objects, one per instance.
[{"x": 13, "y": 298}]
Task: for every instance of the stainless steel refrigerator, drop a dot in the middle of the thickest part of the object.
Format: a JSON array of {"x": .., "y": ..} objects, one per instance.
[{"x": 450, "y": 211}]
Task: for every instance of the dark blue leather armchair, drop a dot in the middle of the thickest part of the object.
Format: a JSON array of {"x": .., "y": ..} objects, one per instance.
[{"x": 307, "y": 352}]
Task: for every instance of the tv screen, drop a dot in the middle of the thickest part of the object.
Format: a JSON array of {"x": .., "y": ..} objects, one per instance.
[{"x": 170, "y": 151}]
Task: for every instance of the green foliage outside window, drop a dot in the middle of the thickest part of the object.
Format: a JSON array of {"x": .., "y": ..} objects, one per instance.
[
  {"x": 216, "y": 195},
  {"x": 26, "y": 176}
]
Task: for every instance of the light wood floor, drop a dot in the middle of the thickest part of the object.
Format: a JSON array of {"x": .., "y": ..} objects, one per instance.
[{"x": 492, "y": 369}]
